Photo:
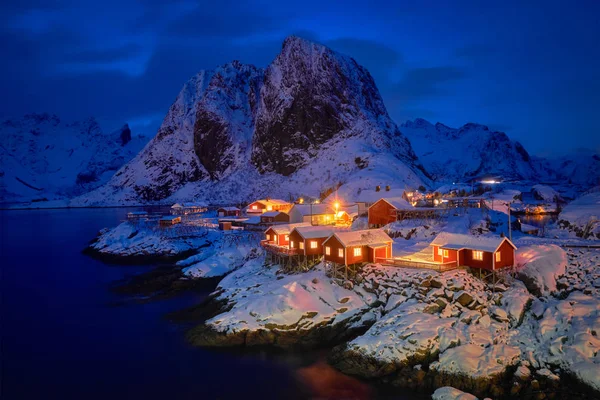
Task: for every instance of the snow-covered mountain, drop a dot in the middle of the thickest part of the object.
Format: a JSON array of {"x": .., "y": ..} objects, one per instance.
[
  {"x": 42, "y": 157},
  {"x": 312, "y": 120},
  {"x": 582, "y": 167},
  {"x": 473, "y": 150}
]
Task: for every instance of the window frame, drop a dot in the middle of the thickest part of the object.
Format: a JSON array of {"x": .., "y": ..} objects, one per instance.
[
  {"x": 357, "y": 251},
  {"x": 341, "y": 253},
  {"x": 327, "y": 250},
  {"x": 446, "y": 254},
  {"x": 301, "y": 245},
  {"x": 314, "y": 244},
  {"x": 498, "y": 256},
  {"x": 477, "y": 255}
]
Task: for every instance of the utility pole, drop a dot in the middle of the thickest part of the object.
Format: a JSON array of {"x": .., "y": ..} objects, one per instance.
[{"x": 509, "y": 224}]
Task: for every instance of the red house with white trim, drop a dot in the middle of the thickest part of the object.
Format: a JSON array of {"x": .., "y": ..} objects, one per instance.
[
  {"x": 383, "y": 211},
  {"x": 354, "y": 247},
  {"x": 490, "y": 253}
]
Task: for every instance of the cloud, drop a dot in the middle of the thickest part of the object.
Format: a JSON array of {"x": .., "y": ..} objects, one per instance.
[{"x": 418, "y": 83}]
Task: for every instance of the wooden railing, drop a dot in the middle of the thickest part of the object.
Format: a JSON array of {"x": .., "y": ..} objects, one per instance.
[
  {"x": 276, "y": 249},
  {"x": 400, "y": 262}
]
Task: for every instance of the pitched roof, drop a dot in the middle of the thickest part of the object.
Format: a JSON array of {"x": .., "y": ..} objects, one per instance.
[
  {"x": 314, "y": 209},
  {"x": 459, "y": 241},
  {"x": 397, "y": 202},
  {"x": 313, "y": 232},
  {"x": 272, "y": 213},
  {"x": 371, "y": 196},
  {"x": 229, "y": 208},
  {"x": 272, "y": 202},
  {"x": 285, "y": 229},
  {"x": 188, "y": 204},
  {"x": 364, "y": 237}
]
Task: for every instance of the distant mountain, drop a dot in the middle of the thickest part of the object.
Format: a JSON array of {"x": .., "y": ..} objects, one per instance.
[
  {"x": 473, "y": 150},
  {"x": 582, "y": 167},
  {"x": 42, "y": 157},
  {"x": 313, "y": 119}
]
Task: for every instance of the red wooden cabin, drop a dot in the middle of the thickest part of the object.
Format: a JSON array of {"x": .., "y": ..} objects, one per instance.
[
  {"x": 228, "y": 212},
  {"x": 383, "y": 211},
  {"x": 353, "y": 247},
  {"x": 308, "y": 240},
  {"x": 274, "y": 217},
  {"x": 264, "y": 205},
  {"x": 279, "y": 234},
  {"x": 488, "y": 253}
]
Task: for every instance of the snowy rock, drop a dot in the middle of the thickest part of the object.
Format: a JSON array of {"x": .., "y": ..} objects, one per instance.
[
  {"x": 450, "y": 393},
  {"x": 463, "y": 298},
  {"x": 477, "y": 361},
  {"x": 539, "y": 266}
]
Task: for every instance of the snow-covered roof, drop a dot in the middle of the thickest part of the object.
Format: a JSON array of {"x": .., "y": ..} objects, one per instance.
[
  {"x": 371, "y": 196},
  {"x": 314, "y": 209},
  {"x": 364, "y": 237},
  {"x": 313, "y": 232},
  {"x": 272, "y": 213},
  {"x": 188, "y": 204},
  {"x": 398, "y": 203},
  {"x": 285, "y": 229},
  {"x": 137, "y": 213},
  {"x": 229, "y": 208},
  {"x": 170, "y": 217},
  {"x": 272, "y": 202},
  {"x": 458, "y": 241}
]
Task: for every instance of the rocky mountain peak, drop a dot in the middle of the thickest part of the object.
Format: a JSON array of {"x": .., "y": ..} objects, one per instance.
[{"x": 124, "y": 135}]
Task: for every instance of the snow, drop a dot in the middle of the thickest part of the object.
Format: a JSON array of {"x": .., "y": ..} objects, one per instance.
[
  {"x": 399, "y": 203},
  {"x": 542, "y": 265},
  {"x": 149, "y": 239},
  {"x": 43, "y": 157},
  {"x": 584, "y": 213},
  {"x": 285, "y": 229},
  {"x": 302, "y": 301},
  {"x": 477, "y": 361},
  {"x": 364, "y": 237},
  {"x": 450, "y": 393},
  {"x": 313, "y": 232},
  {"x": 219, "y": 261},
  {"x": 546, "y": 193},
  {"x": 461, "y": 241}
]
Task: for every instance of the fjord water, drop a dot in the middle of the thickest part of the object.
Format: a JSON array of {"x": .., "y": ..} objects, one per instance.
[{"x": 65, "y": 335}]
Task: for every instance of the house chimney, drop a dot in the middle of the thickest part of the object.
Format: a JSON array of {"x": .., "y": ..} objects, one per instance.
[
  {"x": 377, "y": 188},
  {"x": 387, "y": 188}
]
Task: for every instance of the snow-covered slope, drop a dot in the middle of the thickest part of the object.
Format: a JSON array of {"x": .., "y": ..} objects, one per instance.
[
  {"x": 44, "y": 157},
  {"x": 582, "y": 167},
  {"x": 473, "y": 150},
  {"x": 312, "y": 120}
]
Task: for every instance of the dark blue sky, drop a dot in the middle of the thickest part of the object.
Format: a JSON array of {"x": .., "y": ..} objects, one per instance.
[{"x": 530, "y": 70}]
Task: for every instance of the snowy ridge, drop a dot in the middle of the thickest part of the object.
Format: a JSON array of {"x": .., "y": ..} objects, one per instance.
[
  {"x": 473, "y": 150},
  {"x": 312, "y": 120},
  {"x": 42, "y": 156}
]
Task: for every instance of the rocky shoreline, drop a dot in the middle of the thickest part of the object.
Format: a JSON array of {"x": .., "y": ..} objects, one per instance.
[{"x": 411, "y": 328}]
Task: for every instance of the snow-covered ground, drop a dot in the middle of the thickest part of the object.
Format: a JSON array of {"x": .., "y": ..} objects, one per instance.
[
  {"x": 583, "y": 215},
  {"x": 133, "y": 239}
]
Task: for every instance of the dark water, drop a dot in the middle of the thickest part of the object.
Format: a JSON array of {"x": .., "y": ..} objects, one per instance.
[
  {"x": 63, "y": 337},
  {"x": 540, "y": 221}
]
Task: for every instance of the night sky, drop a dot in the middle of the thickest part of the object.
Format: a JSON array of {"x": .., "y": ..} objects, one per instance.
[{"x": 532, "y": 71}]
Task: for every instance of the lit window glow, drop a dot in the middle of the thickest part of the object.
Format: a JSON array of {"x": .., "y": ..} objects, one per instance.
[
  {"x": 327, "y": 250},
  {"x": 268, "y": 237},
  {"x": 313, "y": 244},
  {"x": 301, "y": 245},
  {"x": 498, "y": 257},
  {"x": 357, "y": 251},
  {"x": 446, "y": 253},
  {"x": 287, "y": 237},
  {"x": 341, "y": 253},
  {"x": 477, "y": 255},
  {"x": 440, "y": 252},
  {"x": 269, "y": 208},
  {"x": 255, "y": 207}
]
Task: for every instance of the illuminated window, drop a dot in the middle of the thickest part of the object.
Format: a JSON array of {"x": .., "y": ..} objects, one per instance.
[
  {"x": 440, "y": 252},
  {"x": 498, "y": 257},
  {"x": 477, "y": 255},
  {"x": 357, "y": 251},
  {"x": 255, "y": 207},
  {"x": 292, "y": 244},
  {"x": 301, "y": 245},
  {"x": 313, "y": 244},
  {"x": 445, "y": 253},
  {"x": 341, "y": 253},
  {"x": 287, "y": 237},
  {"x": 275, "y": 237},
  {"x": 268, "y": 237},
  {"x": 269, "y": 208},
  {"x": 327, "y": 250}
]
